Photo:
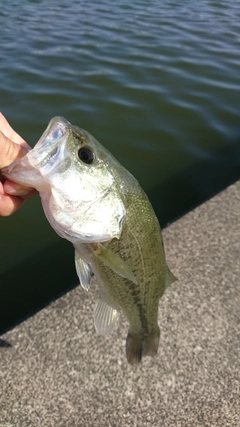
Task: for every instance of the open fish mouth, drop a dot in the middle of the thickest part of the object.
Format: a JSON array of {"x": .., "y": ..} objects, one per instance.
[
  {"x": 42, "y": 159},
  {"x": 55, "y": 130},
  {"x": 21, "y": 171},
  {"x": 49, "y": 150}
]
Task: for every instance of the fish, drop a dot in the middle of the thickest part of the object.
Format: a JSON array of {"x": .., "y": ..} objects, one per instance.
[{"x": 91, "y": 200}]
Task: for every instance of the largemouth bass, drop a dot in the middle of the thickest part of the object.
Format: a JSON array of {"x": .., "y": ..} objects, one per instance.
[{"x": 95, "y": 203}]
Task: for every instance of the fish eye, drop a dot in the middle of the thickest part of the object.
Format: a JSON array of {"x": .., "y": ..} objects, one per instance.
[{"x": 86, "y": 155}]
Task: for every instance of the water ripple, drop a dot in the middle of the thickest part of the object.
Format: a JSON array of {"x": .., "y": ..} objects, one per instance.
[{"x": 160, "y": 79}]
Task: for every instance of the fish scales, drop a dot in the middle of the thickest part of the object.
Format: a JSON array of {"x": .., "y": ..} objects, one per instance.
[
  {"x": 143, "y": 254},
  {"x": 95, "y": 203}
]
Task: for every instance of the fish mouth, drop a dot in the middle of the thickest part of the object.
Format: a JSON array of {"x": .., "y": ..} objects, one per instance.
[
  {"x": 20, "y": 171},
  {"x": 31, "y": 170},
  {"x": 49, "y": 146},
  {"x": 55, "y": 130}
]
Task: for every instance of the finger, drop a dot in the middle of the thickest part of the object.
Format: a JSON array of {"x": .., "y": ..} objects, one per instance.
[
  {"x": 9, "y": 204},
  {"x": 10, "y": 133},
  {"x": 14, "y": 189},
  {"x": 9, "y": 151}
]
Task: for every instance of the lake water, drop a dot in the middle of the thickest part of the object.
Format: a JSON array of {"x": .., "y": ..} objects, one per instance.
[{"x": 157, "y": 83}]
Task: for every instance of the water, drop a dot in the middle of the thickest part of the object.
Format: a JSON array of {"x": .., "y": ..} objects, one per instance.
[{"x": 157, "y": 84}]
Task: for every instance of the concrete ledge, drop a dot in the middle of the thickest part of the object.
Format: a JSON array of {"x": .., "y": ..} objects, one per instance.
[{"x": 55, "y": 371}]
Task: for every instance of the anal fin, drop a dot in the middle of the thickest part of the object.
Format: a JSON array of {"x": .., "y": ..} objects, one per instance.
[{"x": 105, "y": 318}]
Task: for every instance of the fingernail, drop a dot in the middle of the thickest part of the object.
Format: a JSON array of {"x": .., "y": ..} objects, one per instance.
[
  {"x": 18, "y": 192},
  {"x": 15, "y": 189}
]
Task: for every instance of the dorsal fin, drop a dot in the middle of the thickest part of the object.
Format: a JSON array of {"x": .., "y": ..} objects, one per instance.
[{"x": 170, "y": 278}]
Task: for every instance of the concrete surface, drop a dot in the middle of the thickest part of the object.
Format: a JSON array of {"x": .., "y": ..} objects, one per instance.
[{"x": 56, "y": 371}]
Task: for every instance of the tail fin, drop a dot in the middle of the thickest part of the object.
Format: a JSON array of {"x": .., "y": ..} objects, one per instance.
[{"x": 138, "y": 346}]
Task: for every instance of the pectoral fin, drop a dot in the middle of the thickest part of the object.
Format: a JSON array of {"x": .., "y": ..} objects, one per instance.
[
  {"x": 84, "y": 272},
  {"x": 114, "y": 261},
  {"x": 105, "y": 318}
]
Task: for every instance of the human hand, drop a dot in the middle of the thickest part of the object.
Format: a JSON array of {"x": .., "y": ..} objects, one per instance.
[{"x": 12, "y": 147}]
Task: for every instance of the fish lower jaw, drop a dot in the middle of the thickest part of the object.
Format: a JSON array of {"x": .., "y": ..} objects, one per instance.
[{"x": 43, "y": 188}]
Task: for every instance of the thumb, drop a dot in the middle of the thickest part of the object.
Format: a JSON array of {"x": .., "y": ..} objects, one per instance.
[{"x": 10, "y": 151}]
